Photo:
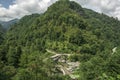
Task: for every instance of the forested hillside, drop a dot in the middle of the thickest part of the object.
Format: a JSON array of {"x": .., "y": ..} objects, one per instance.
[{"x": 87, "y": 38}]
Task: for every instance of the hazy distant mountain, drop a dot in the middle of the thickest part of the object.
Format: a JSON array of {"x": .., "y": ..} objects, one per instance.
[{"x": 7, "y": 24}]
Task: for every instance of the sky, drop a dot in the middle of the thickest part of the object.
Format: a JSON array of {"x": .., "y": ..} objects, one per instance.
[{"x": 11, "y": 9}]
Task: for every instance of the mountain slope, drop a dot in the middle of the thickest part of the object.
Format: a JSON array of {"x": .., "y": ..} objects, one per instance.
[
  {"x": 107, "y": 27},
  {"x": 65, "y": 28}
]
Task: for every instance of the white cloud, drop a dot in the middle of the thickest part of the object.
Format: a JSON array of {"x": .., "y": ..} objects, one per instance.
[
  {"x": 26, "y": 7},
  {"x": 109, "y": 7}
]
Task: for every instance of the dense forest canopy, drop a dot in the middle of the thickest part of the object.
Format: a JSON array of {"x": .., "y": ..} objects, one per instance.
[{"x": 90, "y": 38}]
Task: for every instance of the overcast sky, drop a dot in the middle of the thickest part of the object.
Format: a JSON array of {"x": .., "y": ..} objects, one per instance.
[{"x": 10, "y": 9}]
